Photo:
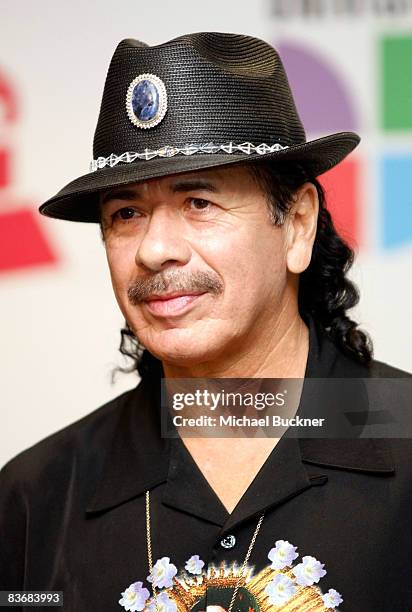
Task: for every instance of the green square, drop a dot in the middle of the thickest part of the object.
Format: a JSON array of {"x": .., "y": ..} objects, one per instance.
[{"x": 396, "y": 92}]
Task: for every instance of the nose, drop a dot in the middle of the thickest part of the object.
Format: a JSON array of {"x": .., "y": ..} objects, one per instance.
[{"x": 163, "y": 242}]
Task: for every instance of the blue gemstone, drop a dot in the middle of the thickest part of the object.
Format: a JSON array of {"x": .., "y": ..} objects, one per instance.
[{"x": 145, "y": 100}]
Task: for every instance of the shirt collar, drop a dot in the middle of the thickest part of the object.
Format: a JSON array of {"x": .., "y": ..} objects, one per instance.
[{"x": 139, "y": 459}]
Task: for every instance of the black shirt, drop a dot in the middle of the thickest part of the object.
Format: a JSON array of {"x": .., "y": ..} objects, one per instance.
[{"x": 72, "y": 510}]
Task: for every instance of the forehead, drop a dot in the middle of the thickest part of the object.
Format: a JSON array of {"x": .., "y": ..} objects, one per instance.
[{"x": 236, "y": 176}]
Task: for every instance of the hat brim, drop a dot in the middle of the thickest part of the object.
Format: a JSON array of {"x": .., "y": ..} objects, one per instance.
[{"x": 78, "y": 201}]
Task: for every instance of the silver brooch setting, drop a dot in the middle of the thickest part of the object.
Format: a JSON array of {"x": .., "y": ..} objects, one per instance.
[{"x": 146, "y": 101}]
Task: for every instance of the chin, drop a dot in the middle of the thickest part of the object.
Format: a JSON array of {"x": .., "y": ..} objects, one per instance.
[
  {"x": 181, "y": 356},
  {"x": 180, "y": 348}
]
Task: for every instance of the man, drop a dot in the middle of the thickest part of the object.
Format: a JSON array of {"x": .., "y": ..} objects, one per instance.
[{"x": 226, "y": 265}]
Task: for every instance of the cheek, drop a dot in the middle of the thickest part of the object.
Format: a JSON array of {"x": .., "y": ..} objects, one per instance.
[
  {"x": 122, "y": 268},
  {"x": 254, "y": 265}
]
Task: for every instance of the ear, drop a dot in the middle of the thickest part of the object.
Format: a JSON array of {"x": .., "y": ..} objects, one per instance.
[{"x": 301, "y": 231}]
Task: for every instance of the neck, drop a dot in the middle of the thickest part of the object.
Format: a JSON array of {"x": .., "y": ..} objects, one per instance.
[
  {"x": 279, "y": 350},
  {"x": 279, "y": 353}
]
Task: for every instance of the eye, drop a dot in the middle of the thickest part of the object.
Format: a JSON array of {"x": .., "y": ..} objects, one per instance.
[
  {"x": 124, "y": 214},
  {"x": 199, "y": 204}
]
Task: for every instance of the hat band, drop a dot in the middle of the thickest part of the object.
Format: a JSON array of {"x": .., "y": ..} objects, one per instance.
[{"x": 190, "y": 149}]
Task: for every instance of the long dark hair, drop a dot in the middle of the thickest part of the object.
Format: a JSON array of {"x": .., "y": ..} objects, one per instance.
[{"x": 325, "y": 292}]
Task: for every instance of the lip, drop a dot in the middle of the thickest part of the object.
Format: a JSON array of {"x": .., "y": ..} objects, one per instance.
[{"x": 172, "y": 304}]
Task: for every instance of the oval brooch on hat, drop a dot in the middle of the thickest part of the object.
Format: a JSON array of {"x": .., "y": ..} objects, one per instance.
[{"x": 146, "y": 101}]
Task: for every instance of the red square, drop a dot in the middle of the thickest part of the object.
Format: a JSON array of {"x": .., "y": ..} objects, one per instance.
[
  {"x": 23, "y": 243},
  {"x": 341, "y": 186},
  {"x": 5, "y": 177}
]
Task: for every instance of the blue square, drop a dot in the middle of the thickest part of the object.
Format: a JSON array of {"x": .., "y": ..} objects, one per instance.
[{"x": 396, "y": 176}]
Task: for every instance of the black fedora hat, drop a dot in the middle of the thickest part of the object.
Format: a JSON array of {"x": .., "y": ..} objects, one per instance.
[{"x": 198, "y": 101}]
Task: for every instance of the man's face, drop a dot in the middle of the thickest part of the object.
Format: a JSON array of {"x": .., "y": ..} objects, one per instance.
[{"x": 205, "y": 239}]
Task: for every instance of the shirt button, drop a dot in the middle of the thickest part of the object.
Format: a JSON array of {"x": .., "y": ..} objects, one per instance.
[{"x": 228, "y": 541}]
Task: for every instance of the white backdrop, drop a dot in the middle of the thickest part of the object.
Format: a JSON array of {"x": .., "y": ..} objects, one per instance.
[{"x": 59, "y": 324}]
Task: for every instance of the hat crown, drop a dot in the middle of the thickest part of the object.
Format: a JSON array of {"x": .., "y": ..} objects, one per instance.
[{"x": 220, "y": 88}]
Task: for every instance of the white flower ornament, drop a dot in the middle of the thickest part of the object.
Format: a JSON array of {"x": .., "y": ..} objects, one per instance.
[
  {"x": 332, "y": 599},
  {"x": 161, "y": 603},
  {"x": 309, "y": 571},
  {"x": 134, "y": 597},
  {"x": 280, "y": 589},
  {"x": 194, "y": 565},
  {"x": 282, "y": 555},
  {"x": 162, "y": 573}
]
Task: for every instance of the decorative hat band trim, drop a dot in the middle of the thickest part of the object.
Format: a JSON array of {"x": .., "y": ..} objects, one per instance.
[{"x": 190, "y": 149}]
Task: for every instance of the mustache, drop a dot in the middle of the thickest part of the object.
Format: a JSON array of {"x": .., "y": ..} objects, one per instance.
[{"x": 174, "y": 280}]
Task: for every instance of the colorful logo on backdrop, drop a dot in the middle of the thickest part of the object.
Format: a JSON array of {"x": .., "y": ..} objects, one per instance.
[
  {"x": 24, "y": 243},
  {"x": 327, "y": 104}
]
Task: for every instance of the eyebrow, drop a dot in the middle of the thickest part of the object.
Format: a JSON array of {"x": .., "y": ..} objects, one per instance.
[
  {"x": 123, "y": 194},
  {"x": 194, "y": 185},
  {"x": 179, "y": 187}
]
